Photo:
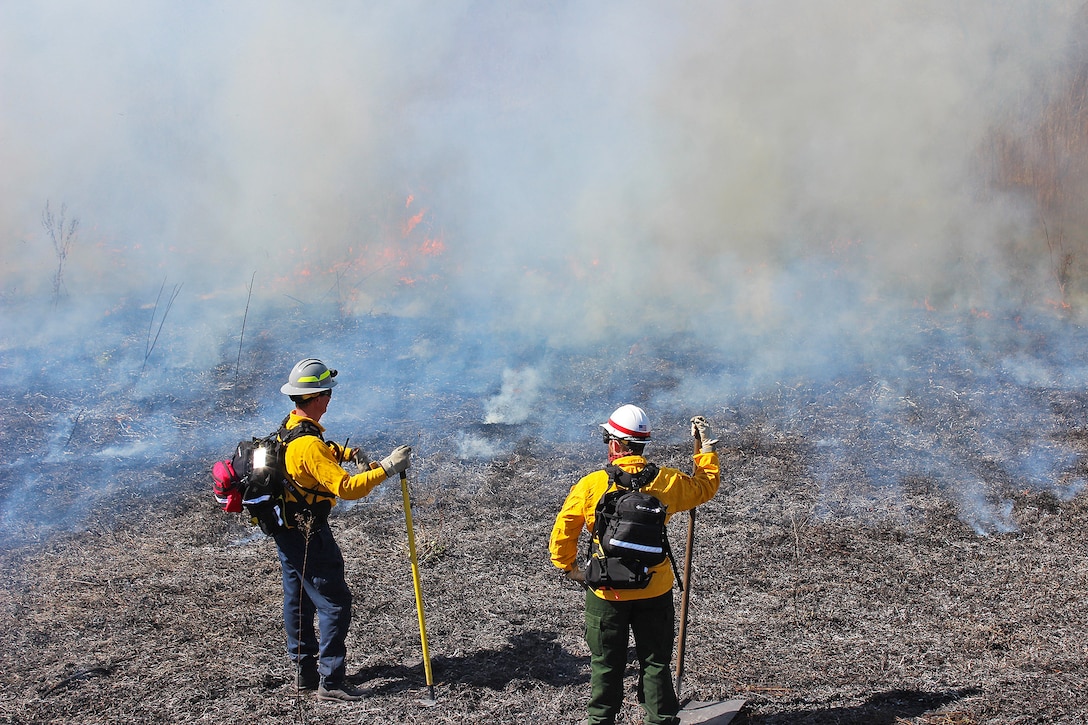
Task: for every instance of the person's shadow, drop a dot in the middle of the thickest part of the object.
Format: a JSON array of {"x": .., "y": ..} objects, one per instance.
[
  {"x": 883, "y": 708},
  {"x": 531, "y": 655}
]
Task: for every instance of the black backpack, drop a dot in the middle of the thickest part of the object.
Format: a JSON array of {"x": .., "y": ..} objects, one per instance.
[
  {"x": 257, "y": 475},
  {"x": 629, "y": 535}
]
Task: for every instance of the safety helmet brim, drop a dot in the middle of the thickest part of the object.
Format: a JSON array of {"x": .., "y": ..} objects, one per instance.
[{"x": 289, "y": 389}]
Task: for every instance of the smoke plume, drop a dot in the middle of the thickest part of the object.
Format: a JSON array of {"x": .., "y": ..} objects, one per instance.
[{"x": 483, "y": 212}]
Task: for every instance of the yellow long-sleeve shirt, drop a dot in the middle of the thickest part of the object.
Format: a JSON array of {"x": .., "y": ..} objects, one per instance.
[
  {"x": 676, "y": 490},
  {"x": 313, "y": 466}
]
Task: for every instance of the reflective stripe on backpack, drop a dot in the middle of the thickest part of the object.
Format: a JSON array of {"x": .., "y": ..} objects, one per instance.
[{"x": 619, "y": 544}]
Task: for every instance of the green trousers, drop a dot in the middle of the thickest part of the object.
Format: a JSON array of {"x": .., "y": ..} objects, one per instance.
[{"x": 608, "y": 628}]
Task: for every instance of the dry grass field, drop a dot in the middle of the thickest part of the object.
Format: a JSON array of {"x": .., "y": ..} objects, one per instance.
[{"x": 168, "y": 612}]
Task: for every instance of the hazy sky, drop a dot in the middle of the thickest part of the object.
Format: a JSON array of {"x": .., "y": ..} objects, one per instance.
[{"x": 560, "y": 162}]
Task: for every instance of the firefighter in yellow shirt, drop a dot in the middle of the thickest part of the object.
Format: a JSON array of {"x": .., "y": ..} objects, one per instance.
[
  {"x": 312, "y": 565},
  {"x": 612, "y": 614}
]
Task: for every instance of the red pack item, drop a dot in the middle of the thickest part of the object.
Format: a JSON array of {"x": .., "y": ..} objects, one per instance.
[
  {"x": 233, "y": 504},
  {"x": 226, "y": 487}
]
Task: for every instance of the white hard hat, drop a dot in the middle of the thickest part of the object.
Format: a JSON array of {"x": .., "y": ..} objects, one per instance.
[
  {"x": 309, "y": 376},
  {"x": 628, "y": 423}
]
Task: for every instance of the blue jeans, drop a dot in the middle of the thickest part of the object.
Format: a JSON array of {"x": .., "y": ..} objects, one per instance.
[{"x": 314, "y": 585}]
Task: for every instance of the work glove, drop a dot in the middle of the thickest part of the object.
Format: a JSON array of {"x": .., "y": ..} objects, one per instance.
[
  {"x": 360, "y": 459},
  {"x": 575, "y": 574},
  {"x": 397, "y": 461},
  {"x": 350, "y": 455},
  {"x": 701, "y": 429}
]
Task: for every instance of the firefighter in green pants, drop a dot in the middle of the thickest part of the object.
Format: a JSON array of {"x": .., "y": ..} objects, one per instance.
[{"x": 613, "y": 615}]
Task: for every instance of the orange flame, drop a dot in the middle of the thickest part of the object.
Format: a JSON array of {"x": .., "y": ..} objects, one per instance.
[
  {"x": 411, "y": 223},
  {"x": 432, "y": 247},
  {"x": 405, "y": 246}
]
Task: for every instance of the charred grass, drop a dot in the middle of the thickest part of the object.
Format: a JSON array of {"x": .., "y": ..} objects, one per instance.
[{"x": 170, "y": 614}]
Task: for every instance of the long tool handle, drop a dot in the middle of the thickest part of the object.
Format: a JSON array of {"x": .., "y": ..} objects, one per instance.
[
  {"x": 415, "y": 582},
  {"x": 686, "y": 592}
]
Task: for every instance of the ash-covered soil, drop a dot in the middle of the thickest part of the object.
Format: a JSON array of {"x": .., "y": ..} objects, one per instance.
[{"x": 167, "y": 610}]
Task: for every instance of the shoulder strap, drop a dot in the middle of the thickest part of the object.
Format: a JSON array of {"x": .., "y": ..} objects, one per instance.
[
  {"x": 633, "y": 481},
  {"x": 304, "y": 428},
  {"x": 286, "y": 435},
  {"x": 600, "y": 514}
]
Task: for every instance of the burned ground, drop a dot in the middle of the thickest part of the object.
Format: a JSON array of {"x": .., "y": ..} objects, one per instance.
[{"x": 885, "y": 612}]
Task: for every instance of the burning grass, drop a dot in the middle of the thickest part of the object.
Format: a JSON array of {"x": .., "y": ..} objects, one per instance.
[{"x": 170, "y": 613}]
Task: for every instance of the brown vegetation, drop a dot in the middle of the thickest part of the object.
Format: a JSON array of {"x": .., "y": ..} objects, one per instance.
[
  {"x": 172, "y": 615},
  {"x": 1044, "y": 153}
]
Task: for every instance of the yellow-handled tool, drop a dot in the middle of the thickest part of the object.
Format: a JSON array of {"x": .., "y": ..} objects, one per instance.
[{"x": 419, "y": 591}]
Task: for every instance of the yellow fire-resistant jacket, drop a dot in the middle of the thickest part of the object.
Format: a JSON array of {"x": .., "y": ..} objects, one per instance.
[
  {"x": 677, "y": 490},
  {"x": 312, "y": 465}
]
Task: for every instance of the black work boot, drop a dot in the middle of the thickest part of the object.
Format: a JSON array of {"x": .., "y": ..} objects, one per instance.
[
  {"x": 340, "y": 691},
  {"x": 307, "y": 677}
]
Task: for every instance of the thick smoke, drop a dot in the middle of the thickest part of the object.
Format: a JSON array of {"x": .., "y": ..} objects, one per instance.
[{"x": 524, "y": 215}]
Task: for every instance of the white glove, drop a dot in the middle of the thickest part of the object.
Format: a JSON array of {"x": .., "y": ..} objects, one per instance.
[
  {"x": 701, "y": 429},
  {"x": 397, "y": 461}
]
